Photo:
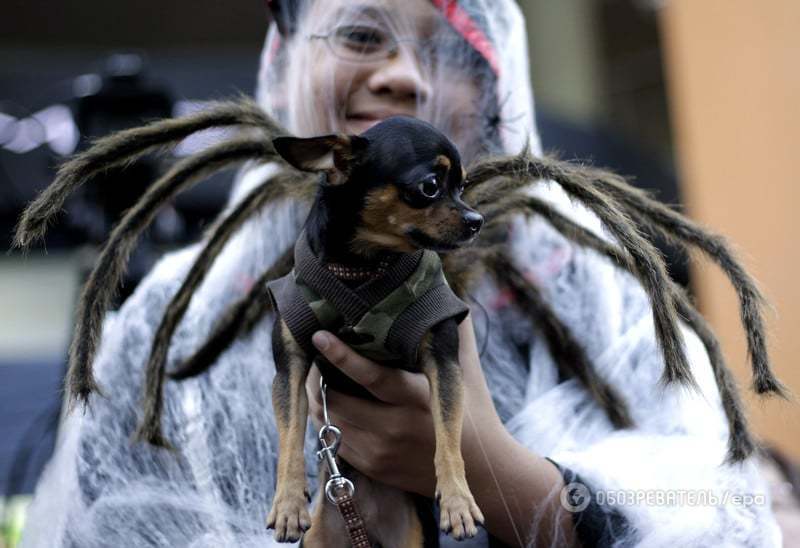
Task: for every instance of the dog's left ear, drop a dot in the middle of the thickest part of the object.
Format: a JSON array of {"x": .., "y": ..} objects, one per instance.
[{"x": 332, "y": 154}]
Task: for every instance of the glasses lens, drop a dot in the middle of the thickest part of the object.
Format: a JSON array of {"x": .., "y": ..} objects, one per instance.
[{"x": 361, "y": 42}]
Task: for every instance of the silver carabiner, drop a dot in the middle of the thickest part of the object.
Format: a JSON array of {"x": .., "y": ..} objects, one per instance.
[
  {"x": 336, "y": 482},
  {"x": 323, "y": 388},
  {"x": 337, "y": 438}
]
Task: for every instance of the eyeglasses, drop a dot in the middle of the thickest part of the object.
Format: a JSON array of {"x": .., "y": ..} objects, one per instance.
[{"x": 367, "y": 44}]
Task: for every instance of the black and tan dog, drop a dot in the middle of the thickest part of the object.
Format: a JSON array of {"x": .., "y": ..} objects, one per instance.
[{"x": 366, "y": 269}]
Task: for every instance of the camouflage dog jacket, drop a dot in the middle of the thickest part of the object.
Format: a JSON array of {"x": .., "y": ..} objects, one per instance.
[{"x": 383, "y": 319}]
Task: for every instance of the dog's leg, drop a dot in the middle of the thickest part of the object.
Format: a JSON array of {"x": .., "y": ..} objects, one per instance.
[
  {"x": 414, "y": 535},
  {"x": 289, "y": 514},
  {"x": 439, "y": 355}
]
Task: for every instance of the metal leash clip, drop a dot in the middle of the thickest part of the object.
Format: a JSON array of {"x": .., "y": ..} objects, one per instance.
[{"x": 337, "y": 485}]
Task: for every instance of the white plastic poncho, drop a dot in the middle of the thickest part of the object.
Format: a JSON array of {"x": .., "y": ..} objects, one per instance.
[{"x": 100, "y": 490}]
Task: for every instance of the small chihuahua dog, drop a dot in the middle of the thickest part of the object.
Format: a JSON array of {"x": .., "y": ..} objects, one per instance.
[{"x": 366, "y": 268}]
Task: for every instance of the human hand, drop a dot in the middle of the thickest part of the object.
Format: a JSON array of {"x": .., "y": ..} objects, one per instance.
[{"x": 392, "y": 440}]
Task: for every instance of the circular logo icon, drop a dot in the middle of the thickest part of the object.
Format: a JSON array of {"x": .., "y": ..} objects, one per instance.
[{"x": 575, "y": 497}]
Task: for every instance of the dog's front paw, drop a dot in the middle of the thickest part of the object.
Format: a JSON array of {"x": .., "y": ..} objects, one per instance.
[
  {"x": 289, "y": 516},
  {"x": 458, "y": 514}
]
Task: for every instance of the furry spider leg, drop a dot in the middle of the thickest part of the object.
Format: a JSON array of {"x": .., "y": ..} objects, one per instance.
[
  {"x": 104, "y": 279},
  {"x": 125, "y": 147},
  {"x": 678, "y": 229},
  {"x": 740, "y": 443},
  {"x": 524, "y": 169},
  {"x": 238, "y": 320},
  {"x": 657, "y": 218},
  {"x": 568, "y": 354},
  {"x": 461, "y": 270},
  {"x": 280, "y": 186}
]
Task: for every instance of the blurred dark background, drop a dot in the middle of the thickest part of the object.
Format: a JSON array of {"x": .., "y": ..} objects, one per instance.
[
  {"x": 52, "y": 53},
  {"x": 196, "y": 24}
]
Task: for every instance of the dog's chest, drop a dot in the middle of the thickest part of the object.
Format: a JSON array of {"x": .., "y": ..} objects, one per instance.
[{"x": 383, "y": 319}]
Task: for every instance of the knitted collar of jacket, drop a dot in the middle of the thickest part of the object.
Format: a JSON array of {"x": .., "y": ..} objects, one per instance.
[{"x": 352, "y": 303}]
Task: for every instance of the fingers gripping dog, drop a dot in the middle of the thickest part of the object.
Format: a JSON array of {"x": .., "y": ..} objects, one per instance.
[{"x": 366, "y": 268}]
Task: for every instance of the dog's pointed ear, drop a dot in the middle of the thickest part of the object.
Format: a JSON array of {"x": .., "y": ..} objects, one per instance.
[{"x": 333, "y": 155}]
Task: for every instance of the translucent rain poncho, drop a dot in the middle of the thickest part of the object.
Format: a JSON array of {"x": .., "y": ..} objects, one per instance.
[{"x": 469, "y": 78}]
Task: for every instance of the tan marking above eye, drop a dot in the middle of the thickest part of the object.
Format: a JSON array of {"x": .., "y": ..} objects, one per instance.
[
  {"x": 387, "y": 194},
  {"x": 444, "y": 161}
]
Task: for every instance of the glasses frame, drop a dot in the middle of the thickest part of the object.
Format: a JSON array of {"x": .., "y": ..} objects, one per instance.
[{"x": 422, "y": 48}]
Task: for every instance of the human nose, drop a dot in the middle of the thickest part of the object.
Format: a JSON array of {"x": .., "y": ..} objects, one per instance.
[{"x": 400, "y": 76}]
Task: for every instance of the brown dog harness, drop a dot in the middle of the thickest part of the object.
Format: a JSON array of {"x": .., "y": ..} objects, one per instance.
[{"x": 383, "y": 319}]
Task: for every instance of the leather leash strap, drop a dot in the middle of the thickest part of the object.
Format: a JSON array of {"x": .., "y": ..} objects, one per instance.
[
  {"x": 353, "y": 522},
  {"x": 338, "y": 489}
]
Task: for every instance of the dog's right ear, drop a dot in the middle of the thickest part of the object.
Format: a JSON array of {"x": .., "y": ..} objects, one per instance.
[{"x": 333, "y": 155}]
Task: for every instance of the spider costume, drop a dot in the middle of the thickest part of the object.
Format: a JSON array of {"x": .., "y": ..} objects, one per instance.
[{"x": 578, "y": 322}]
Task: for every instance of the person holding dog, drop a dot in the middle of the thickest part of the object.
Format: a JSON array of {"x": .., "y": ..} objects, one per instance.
[{"x": 531, "y": 438}]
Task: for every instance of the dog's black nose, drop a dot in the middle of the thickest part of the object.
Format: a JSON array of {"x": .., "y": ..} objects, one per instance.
[{"x": 473, "y": 220}]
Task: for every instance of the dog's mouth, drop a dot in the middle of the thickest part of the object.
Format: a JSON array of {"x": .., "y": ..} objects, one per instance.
[{"x": 424, "y": 241}]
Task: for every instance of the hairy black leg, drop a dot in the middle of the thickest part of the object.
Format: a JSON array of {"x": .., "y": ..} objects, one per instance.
[
  {"x": 489, "y": 181},
  {"x": 649, "y": 267},
  {"x": 278, "y": 187},
  {"x": 238, "y": 319},
  {"x": 681, "y": 230},
  {"x": 125, "y": 147},
  {"x": 740, "y": 443},
  {"x": 103, "y": 281}
]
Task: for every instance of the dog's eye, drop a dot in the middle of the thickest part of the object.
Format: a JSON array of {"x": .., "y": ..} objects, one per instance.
[{"x": 429, "y": 187}]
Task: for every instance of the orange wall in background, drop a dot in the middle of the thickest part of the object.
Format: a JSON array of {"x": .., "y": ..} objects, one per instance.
[{"x": 733, "y": 68}]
